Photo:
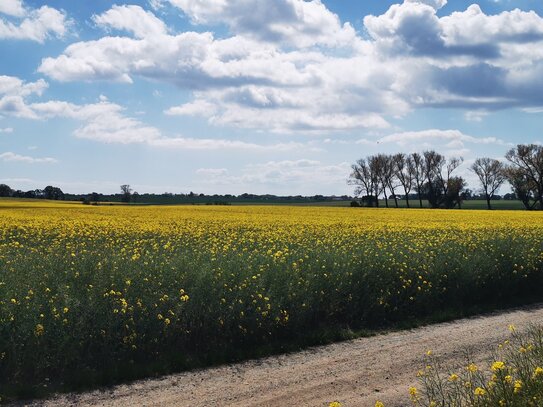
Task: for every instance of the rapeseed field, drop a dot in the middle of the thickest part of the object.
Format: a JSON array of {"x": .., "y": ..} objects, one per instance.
[{"x": 97, "y": 294}]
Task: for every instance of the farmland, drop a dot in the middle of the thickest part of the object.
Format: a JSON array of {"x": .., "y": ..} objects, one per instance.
[{"x": 98, "y": 294}]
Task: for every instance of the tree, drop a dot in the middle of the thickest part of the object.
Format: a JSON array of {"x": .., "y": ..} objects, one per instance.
[
  {"x": 522, "y": 186},
  {"x": 527, "y": 162},
  {"x": 418, "y": 174},
  {"x": 442, "y": 189},
  {"x": 491, "y": 175},
  {"x": 384, "y": 169},
  {"x": 365, "y": 176},
  {"x": 405, "y": 173},
  {"x": 126, "y": 193},
  {"x": 54, "y": 193},
  {"x": 5, "y": 190}
]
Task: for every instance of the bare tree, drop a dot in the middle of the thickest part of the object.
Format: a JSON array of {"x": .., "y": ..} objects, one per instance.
[
  {"x": 527, "y": 159},
  {"x": 491, "y": 175},
  {"x": 364, "y": 176},
  {"x": 405, "y": 173},
  {"x": 126, "y": 193},
  {"x": 418, "y": 174},
  {"x": 439, "y": 180},
  {"x": 385, "y": 171}
]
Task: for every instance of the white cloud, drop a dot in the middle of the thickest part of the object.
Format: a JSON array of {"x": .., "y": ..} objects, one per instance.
[
  {"x": 103, "y": 121},
  {"x": 224, "y": 144},
  {"x": 211, "y": 172},
  {"x": 295, "y": 22},
  {"x": 306, "y": 176},
  {"x": 196, "y": 108},
  {"x": 291, "y": 66},
  {"x": 436, "y": 4},
  {"x": 32, "y": 24},
  {"x": 12, "y": 157},
  {"x": 133, "y": 19},
  {"x": 13, "y": 95},
  {"x": 475, "y": 115},
  {"x": 451, "y": 142},
  {"x": 12, "y": 8},
  {"x": 6, "y": 130}
]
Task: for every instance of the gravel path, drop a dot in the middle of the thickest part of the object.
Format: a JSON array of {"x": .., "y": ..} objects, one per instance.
[{"x": 356, "y": 372}]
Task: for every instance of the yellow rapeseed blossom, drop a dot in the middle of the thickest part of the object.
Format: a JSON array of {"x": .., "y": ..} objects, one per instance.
[
  {"x": 39, "y": 330},
  {"x": 517, "y": 386},
  {"x": 498, "y": 365},
  {"x": 472, "y": 368}
]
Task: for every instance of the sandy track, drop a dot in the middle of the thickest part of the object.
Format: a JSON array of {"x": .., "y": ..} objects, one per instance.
[{"x": 356, "y": 372}]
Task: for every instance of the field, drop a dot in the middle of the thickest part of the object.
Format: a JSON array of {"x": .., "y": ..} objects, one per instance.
[{"x": 97, "y": 294}]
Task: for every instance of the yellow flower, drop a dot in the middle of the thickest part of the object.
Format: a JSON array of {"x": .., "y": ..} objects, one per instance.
[
  {"x": 39, "y": 330},
  {"x": 518, "y": 386},
  {"x": 379, "y": 404},
  {"x": 453, "y": 377},
  {"x": 414, "y": 394},
  {"x": 334, "y": 404},
  {"x": 497, "y": 366},
  {"x": 512, "y": 328},
  {"x": 429, "y": 353},
  {"x": 538, "y": 371},
  {"x": 479, "y": 391},
  {"x": 472, "y": 368}
]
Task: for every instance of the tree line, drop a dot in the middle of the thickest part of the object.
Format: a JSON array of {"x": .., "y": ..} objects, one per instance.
[
  {"x": 432, "y": 176},
  {"x": 49, "y": 192}
]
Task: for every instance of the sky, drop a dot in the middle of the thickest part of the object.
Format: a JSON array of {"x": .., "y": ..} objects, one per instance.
[{"x": 259, "y": 96}]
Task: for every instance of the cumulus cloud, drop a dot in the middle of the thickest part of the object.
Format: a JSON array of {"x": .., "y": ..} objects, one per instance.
[
  {"x": 13, "y": 95},
  {"x": 13, "y": 157},
  {"x": 133, "y": 19},
  {"x": 292, "y": 66},
  {"x": 31, "y": 24},
  {"x": 12, "y": 8},
  {"x": 298, "y": 23}
]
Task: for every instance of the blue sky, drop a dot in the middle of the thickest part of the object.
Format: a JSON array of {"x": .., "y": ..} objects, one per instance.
[{"x": 257, "y": 96}]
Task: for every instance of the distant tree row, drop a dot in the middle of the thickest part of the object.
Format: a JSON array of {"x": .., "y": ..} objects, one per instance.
[
  {"x": 430, "y": 175},
  {"x": 49, "y": 192}
]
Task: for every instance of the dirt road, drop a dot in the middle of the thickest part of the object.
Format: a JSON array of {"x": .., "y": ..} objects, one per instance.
[{"x": 356, "y": 373}]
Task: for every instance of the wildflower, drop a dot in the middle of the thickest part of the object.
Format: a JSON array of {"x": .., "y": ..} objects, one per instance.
[
  {"x": 39, "y": 330},
  {"x": 512, "y": 328},
  {"x": 472, "y": 368},
  {"x": 498, "y": 365},
  {"x": 517, "y": 387},
  {"x": 414, "y": 394},
  {"x": 453, "y": 377},
  {"x": 538, "y": 371},
  {"x": 479, "y": 391},
  {"x": 334, "y": 404},
  {"x": 379, "y": 404}
]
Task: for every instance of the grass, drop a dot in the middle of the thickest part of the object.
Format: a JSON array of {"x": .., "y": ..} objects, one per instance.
[{"x": 96, "y": 295}]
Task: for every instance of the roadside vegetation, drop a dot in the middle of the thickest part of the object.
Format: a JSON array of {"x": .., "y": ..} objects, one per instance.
[{"x": 513, "y": 378}]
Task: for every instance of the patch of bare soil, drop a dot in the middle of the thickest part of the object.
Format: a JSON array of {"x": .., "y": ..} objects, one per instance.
[{"x": 356, "y": 373}]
